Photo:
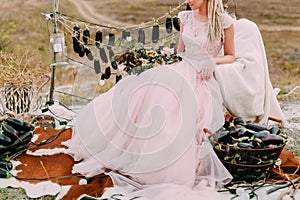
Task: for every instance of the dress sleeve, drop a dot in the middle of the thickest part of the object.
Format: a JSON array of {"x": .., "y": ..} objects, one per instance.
[
  {"x": 227, "y": 20},
  {"x": 183, "y": 15}
]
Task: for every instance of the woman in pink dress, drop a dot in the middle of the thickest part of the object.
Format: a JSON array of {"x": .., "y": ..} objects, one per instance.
[{"x": 146, "y": 132}]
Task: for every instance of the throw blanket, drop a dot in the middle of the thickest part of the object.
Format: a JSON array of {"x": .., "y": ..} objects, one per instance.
[
  {"x": 37, "y": 168},
  {"x": 245, "y": 84}
]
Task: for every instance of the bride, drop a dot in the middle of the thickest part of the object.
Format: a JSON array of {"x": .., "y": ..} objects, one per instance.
[{"x": 146, "y": 132}]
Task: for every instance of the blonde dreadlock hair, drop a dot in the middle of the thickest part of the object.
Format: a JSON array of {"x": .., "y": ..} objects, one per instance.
[{"x": 215, "y": 24}]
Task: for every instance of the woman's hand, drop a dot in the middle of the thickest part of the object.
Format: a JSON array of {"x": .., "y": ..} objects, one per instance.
[{"x": 206, "y": 73}]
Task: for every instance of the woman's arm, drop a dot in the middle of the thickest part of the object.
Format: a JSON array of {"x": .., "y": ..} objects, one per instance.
[
  {"x": 229, "y": 54},
  {"x": 180, "y": 42}
]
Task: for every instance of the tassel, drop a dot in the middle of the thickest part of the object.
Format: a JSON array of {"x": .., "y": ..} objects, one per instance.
[
  {"x": 169, "y": 25},
  {"x": 103, "y": 55},
  {"x": 155, "y": 32},
  {"x": 176, "y": 23},
  {"x": 97, "y": 66},
  {"x": 111, "y": 37},
  {"x": 86, "y": 36},
  {"x": 125, "y": 34},
  {"x": 88, "y": 53},
  {"x": 107, "y": 73},
  {"x": 98, "y": 38},
  {"x": 141, "y": 38}
]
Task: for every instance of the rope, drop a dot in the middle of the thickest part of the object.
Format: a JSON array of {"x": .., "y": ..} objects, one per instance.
[{"x": 132, "y": 27}]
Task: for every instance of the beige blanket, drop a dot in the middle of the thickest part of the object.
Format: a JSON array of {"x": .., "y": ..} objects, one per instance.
[{"x": 245, "y": 84}]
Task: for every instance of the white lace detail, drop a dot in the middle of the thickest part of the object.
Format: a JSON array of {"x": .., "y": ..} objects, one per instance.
[
  {"x": 197, "y": 32},
  {"x": 195, "y": 26}
]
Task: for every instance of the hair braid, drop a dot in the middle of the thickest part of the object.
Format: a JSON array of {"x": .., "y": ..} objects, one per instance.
[{"x": 215, "y": 24}]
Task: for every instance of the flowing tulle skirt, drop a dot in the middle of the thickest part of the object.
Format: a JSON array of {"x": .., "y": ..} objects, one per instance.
[{"x": 148, "y": 131}]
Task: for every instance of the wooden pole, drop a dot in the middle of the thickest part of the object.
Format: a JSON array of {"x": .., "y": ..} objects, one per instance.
[{"x": 52, "y": 83}]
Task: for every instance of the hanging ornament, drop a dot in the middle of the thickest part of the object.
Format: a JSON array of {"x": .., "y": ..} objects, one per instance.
[
  {"x": 169, "y": 25},
  {"x": 114, "y": 65},
  {"x": 111, "y": 54},
  {"x": 76, "y": 38},
  {"x": 88, "y": 53},
  {"x": 97, "y": 66},
  {"x": 118, "y": 77},
  {"x": 173, "y": 46},
  {"x": 141, "y": 37},
  {"x": 86, "y": 36},
  {"x": 176, "y": 22},
  {"x": 155, "y": 32},
  {"x": 111, "y": 37},
  {"x": 81, "y": 50},
  {"x": 103, "y": 55},
  {"x": 125, "y": 34},
  {"x": 76, "y": 31},
  {"x": 98, "y": 38},
  {"x": 107, "y": 73},
  {"x": 76, "y": 44},
  {"x": 112, "y": 59}
]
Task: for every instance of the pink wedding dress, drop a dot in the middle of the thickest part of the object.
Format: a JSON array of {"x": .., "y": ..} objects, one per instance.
[{"x": 147, "y": 131}]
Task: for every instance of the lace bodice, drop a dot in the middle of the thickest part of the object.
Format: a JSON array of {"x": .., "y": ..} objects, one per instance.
[{"x": 195, "y": 34}]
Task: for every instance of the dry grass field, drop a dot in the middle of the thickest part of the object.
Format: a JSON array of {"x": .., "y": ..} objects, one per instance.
[{"x": 23, "y": 26}]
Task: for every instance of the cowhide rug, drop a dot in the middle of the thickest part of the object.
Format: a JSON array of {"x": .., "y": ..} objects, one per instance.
[
  {"x": 46, "y": 169},
  {"x": 49, "y": 164}
]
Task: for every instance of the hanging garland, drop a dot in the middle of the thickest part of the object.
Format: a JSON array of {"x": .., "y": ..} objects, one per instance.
[
  {"x": 132, "y": 27},
  {"x": 130, "y": 51}
]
